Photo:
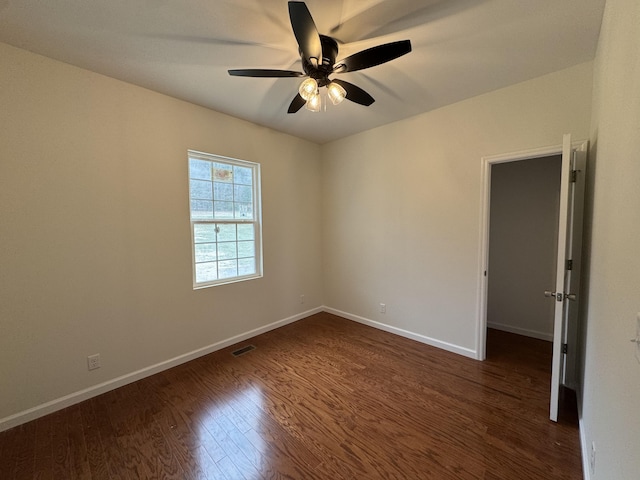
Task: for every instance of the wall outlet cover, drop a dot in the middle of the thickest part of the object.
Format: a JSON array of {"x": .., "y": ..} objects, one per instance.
[{"x": 93, "y": 361}]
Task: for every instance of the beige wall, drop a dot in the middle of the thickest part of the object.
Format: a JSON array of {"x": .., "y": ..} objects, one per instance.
[
  {"x": 401, "y": 203},
  {"x": 95, "y": 252},
  {"x": 611, "y": 391},
  {"x": 525, "y": 202},
  {"x": 93, "y": 173}
]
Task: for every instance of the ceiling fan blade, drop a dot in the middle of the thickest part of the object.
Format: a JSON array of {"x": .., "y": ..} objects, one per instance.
[
  {"x": 373, "y": 56},
  {"x": 355, "y": 93},
  {"x": 306, "y": 32},
  {"x": 263, "y": 72},
  {"x": 296, "y": 104}
]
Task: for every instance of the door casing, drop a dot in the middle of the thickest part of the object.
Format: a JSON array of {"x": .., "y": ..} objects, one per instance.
[{"x": 486, "y": 163}]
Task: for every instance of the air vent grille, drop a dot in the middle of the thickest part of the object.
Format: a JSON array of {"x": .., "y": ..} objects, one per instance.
[{"x": 243, "y": 350}]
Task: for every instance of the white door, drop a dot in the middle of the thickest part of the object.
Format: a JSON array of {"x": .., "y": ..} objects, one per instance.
[{"x": 567, "y": 287}]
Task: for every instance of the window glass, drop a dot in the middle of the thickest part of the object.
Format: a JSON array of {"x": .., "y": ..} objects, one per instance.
[{"x": 224, "y": 204}]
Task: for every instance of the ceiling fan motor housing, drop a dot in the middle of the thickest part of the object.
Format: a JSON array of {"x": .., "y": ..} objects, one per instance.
[{"x": 323, "y": 70}]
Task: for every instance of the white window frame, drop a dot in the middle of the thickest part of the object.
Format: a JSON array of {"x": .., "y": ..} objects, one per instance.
[{"x": 256, "y": 221}]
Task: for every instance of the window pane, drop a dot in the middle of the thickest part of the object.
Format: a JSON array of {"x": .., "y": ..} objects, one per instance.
[
  {"x": 243, "y": 193},
  {"x": 227, "y": 250},
  {"x": 228, "y": 269},
  {"x": 204, "y": 232},
  {"x": 243, "y": 175},
  {"x": 243, "y": 210},
  {"x": 223, "y": 205},
  {"x": 245, "y": 232},
  {"x": 201, "y": 210},
  {"x": 200, "y": 169},
  {"x": 205, "y": 252},
  {"x": 246, "y": 249},
  {"x": 200, "y": 189},
  {"x": 223, "y": 191},
  {"x": 222, "y": 172},
  {"x": 246, "y": 266},
  {"x": 223, "y": 210},
  {"x": 206, "y": 272},
  {"x": 227, "y": 233}
]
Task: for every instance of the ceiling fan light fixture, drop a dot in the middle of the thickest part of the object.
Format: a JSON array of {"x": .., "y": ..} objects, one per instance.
[
  {"x": 336, "y": 93},
  {"x": 318, "y": 55},
  {"x": 308, "y": 88},
  {"x": 314, "y": 103}
]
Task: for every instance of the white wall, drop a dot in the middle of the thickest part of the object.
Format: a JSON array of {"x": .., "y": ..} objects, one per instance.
[
  {"x": 525, "y": 201},
  {"x": 611, "y": 389},
  {"x": 95, "y": 252},
  {"x": 401, "y": 203}
]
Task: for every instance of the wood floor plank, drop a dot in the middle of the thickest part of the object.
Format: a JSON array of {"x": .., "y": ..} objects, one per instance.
[
  {"x": 79, "y": 460},
  {"x": 322, "y": 398},
  {"x": 114, "y": 456},
  {"x": 25, "y": 458},
  {"x": 43, "y": 462},
  {"x": 96, "y": 452},
  {"x": 60, "y": 445},
  {"x": 148, "y": 449},
  {"x": 20, "y": 451},
  {"x": 237, "y": 451}
]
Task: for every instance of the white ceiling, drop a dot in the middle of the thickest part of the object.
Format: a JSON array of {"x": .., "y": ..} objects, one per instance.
[{"x": 183, "y": 48}]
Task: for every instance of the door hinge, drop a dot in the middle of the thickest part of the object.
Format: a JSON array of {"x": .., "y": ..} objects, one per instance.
[
  {"x": 565, "y": 347},
  {"x": 574, "y": 176},
  {"x": 569, "y": 264}
]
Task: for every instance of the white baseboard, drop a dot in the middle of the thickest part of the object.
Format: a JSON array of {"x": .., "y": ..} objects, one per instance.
[
  {"x": 95, "y": 390},
  {"x": 522, "y": 331},
  {"x": 586, "y": 469},
  {"x": 467, "y": 352}
]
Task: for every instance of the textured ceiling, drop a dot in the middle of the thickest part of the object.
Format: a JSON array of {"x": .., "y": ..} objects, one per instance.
[{"x": 183, "y": 48}]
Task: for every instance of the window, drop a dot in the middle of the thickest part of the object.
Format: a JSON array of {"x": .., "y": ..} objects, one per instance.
[{"x": 224, "y": 199}]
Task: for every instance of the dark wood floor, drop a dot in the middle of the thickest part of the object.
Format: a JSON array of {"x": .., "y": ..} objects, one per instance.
[{"x": 323, "y": 398}]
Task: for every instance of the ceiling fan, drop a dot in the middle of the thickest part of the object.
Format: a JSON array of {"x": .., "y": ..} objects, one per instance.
[{"x": 318, "y": 53}]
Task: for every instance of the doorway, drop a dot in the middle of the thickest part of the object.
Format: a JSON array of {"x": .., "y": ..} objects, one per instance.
[
  {"x": 488, "y": 163},
  {"x": 566, "y": 290},
  {"x": 523, "y": 231}
]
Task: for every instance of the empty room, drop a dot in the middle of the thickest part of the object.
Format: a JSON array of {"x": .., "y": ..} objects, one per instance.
[{"x": 318, "y": 240}]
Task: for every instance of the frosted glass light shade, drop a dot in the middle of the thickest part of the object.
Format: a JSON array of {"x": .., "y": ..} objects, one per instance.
[
  {"x": 336, "y": 93},
  {"x": 308, "y": 88},
  {"x": 314, "y": 103}
]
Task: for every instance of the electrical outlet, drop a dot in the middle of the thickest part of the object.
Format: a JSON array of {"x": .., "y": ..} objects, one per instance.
[
  {"x": 383, "y": 308},
  {"x": 93, "y": 361},
  {"x": 301, "y": 299},
  {"x": 592, "y": 457}
]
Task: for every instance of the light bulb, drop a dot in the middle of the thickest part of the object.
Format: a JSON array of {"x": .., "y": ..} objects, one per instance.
[
  {"x": 308, "y": 88},
  {"x": 336, "y": 93},
  {"x": 314, "y": 103}
]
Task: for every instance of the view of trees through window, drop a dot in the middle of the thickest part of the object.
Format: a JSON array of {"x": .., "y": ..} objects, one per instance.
[{"x": 224, "y": 209}]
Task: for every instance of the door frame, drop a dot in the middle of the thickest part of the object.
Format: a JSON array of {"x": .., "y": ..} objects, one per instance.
[{"x": 485, "y": 202}]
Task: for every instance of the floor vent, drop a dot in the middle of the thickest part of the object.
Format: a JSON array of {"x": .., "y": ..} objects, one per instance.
[{"x": 243, "y": 350}]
